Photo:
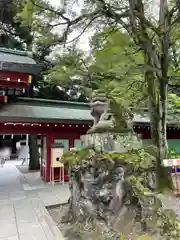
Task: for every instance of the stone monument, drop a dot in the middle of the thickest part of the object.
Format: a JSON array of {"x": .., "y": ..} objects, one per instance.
[{"x": 99, "y": 192}]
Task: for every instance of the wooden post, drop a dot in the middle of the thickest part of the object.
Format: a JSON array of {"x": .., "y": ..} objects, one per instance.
[{"x": 176, "y": 178}]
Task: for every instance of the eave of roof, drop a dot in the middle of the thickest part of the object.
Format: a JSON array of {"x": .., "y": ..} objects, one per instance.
[
  {"x": 11, "y": 55},
  {"x": 45, "y": 110},
  {"x": 18, "y": 61},
  {"x": 41, "y": 101},
  {"x": 16, "y": 51}
]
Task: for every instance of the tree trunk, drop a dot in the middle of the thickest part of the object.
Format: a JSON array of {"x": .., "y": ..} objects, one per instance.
[
  {"x": 158, "y": 112},
  {"x": 34, "y": 153},
  {"x": 14, "y": 145},
  {"x": 164, "y": 180}
]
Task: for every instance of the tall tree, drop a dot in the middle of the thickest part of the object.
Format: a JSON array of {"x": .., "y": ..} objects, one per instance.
[{"x": 152, "y": 35}]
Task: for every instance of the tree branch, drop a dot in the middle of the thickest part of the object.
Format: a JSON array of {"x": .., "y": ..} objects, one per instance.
[
  {"x": 146, "y": 22},
  {"x": 107, "y": 11},
  {"x": 47, "y": 7}
]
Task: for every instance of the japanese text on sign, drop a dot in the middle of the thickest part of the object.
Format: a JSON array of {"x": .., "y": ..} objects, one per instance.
[{"x": 171, "y": 162}]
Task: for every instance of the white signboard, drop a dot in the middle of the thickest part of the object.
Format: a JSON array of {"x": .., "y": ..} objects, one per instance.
[
  {"x": 59, "y": 151},
  {"x": 171, "y": 162}
]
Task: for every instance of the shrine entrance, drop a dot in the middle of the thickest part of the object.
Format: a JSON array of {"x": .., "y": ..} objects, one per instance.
[
  {"x": 53, "y": 122},
  {"x": 49, "y": 135},
  {"x": 19, "y": 148},
  {"x": 16, "y": 143}
]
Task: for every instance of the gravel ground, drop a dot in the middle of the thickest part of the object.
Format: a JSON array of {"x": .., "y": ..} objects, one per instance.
[
  {"x": 75, "y": 231},
  {"x": 85, "y": 231},
  {"x": 57, "y": 214}
]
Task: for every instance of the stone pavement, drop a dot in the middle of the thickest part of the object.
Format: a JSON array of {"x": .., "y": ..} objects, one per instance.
[
  {"x": 171, "y": 202},
  {"x": 23, "y": 198}
]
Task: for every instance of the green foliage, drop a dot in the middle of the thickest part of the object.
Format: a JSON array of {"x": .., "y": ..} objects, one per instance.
[
  {"x": 76, "y": 156},
  {"x": 174, "y": 69},
  {"x": 27, "y": 14},
  {"x": 138, "y": 160},
  {"x": 145, "y": 237},
  {"x": 122, "y": 236},
  {"x": 172, "y": 153},
  {"x": 68, "y": 70},
  {"x": 138, "y": 188},
  {"x": 115, "y": 66},
  {"x": 174, "y": 109},
  {"x": 168, "y": 224},
  {"x": 174, "y": 103},
  {"x": 123, "y": 55}
]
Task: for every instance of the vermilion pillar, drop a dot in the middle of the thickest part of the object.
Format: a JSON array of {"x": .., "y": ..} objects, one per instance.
[{"x": 49, "y": 141}]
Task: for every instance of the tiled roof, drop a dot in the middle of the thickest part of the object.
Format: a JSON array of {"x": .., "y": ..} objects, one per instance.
[
  {"x": 10, "y": 55},
  {"x": 42, "y": 110},
  {"x": 17, "y": 61}
]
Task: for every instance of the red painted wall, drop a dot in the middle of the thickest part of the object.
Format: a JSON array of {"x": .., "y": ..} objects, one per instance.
[
  {"x": 65, "y": 129},
  {"x": 13, "y": 79},
  {"x": 145, "y": 132},
  {"x": 42, "y": 128}
]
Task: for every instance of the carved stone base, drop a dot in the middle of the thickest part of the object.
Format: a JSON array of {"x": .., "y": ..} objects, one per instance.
[{"x": 112, "y": 142}]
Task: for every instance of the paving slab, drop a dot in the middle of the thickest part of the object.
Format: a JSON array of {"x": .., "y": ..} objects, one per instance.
[
  {"x": 12, "y": 238},
  {"x": 7, "y": 212},
  {"x": 32, "y": 237},
  {"x": 26, "y": 216},
  {"x": 8, "y": 229}
]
